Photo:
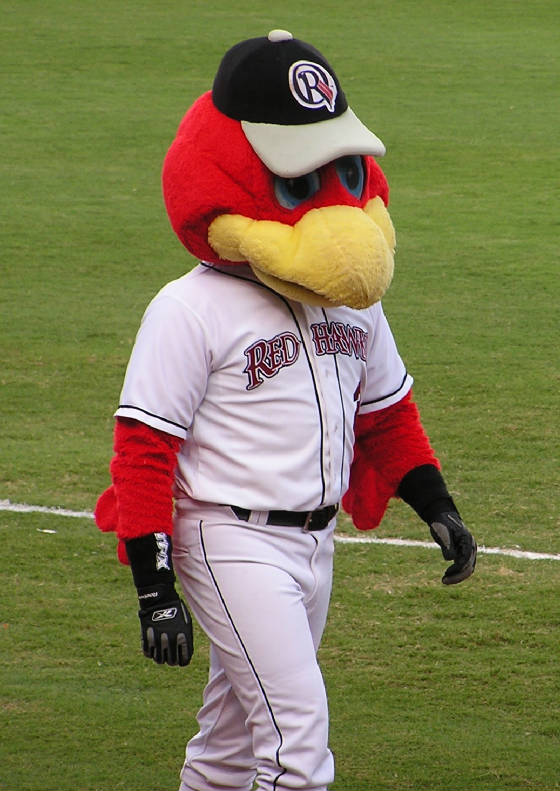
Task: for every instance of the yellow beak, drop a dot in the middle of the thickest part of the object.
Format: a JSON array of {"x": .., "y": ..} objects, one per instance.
[{"x": 335, "y": 255}]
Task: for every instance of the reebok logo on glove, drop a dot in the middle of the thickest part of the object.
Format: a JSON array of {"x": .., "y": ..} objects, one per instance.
[{"x": 164, "y": 615}]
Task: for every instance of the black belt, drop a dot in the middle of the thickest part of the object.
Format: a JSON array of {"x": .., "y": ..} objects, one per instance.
[{"x": 310, "y": 520}]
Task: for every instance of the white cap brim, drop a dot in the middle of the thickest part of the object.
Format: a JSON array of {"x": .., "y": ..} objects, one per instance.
[{"x": 291, "y": 151}]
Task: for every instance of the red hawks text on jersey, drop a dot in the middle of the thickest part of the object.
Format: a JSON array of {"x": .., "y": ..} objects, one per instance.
[{"x": 266, "y": 357}]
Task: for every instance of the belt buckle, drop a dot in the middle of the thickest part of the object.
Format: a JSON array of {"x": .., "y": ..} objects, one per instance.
[
  {"x": 307, "y": 522},
  {"x": 324, "y": 516}
]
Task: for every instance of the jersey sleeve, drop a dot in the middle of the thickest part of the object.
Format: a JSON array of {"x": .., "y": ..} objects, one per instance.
[
  {"x": 387, "y": 379},
  {"x": 168, "y": 369}
]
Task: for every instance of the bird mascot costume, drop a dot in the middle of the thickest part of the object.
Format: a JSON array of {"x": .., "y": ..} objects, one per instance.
[{"x": 264, "y": 392}]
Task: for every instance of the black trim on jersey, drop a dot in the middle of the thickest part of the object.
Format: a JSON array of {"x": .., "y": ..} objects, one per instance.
[
  {"x": 246, "y": 653},
  {"x": 335, "y": 359},
  {"x": 289, "y": 307},
  {"x": 152, "y": 414},
  {"x": 388, "y": 395}
]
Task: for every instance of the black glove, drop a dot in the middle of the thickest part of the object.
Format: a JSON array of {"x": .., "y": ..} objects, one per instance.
[
  {"x": 167, "y": 635},
  {"x": 424, "y": 489},
  {"x": 449, "y": 531},
  {"x": 166, "y": 625}
]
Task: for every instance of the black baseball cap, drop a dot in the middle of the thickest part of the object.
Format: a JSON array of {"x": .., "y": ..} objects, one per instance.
[{"x": 291, "y": 106}]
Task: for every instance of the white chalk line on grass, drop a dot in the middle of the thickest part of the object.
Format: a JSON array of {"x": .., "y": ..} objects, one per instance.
[
  {"x": 405, "y": 542},
  {"x": 23, "y": 508}
]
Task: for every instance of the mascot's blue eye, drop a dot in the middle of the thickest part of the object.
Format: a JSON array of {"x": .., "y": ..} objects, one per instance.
[
  {"x": 291, "y": 192},
  {"x": 351, "y": 174}
]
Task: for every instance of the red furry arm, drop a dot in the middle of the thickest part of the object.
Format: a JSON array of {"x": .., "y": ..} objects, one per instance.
[
  {"x": 140, "y": 501},
  {"x": 388, "y": 444}
]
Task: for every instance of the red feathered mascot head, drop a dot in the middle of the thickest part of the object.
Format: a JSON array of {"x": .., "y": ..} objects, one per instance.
[{"x": 272, "y": 168}]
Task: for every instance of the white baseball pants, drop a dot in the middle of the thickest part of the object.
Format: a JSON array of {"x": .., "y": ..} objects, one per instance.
[{"x": 261, "y": 594}]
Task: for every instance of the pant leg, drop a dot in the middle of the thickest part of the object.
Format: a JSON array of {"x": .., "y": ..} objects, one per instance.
[
  {"x": 261, "y": 594},
  {"x": 222, "y": 749}
]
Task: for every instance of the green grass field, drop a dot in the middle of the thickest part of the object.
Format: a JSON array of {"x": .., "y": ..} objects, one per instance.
[{"x": 430, "y": 688}]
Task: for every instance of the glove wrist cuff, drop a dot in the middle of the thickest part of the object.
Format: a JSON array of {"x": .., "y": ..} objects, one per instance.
[
  {"x": 150, "y": 561},
  {"x": 424, "y": 489}
]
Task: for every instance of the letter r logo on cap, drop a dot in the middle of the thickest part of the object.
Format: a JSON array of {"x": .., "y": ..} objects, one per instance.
[{"x": 312, "y": 86}]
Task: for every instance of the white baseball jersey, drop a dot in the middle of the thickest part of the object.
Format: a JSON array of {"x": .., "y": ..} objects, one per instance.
[{"x": 263, "y": 389}]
